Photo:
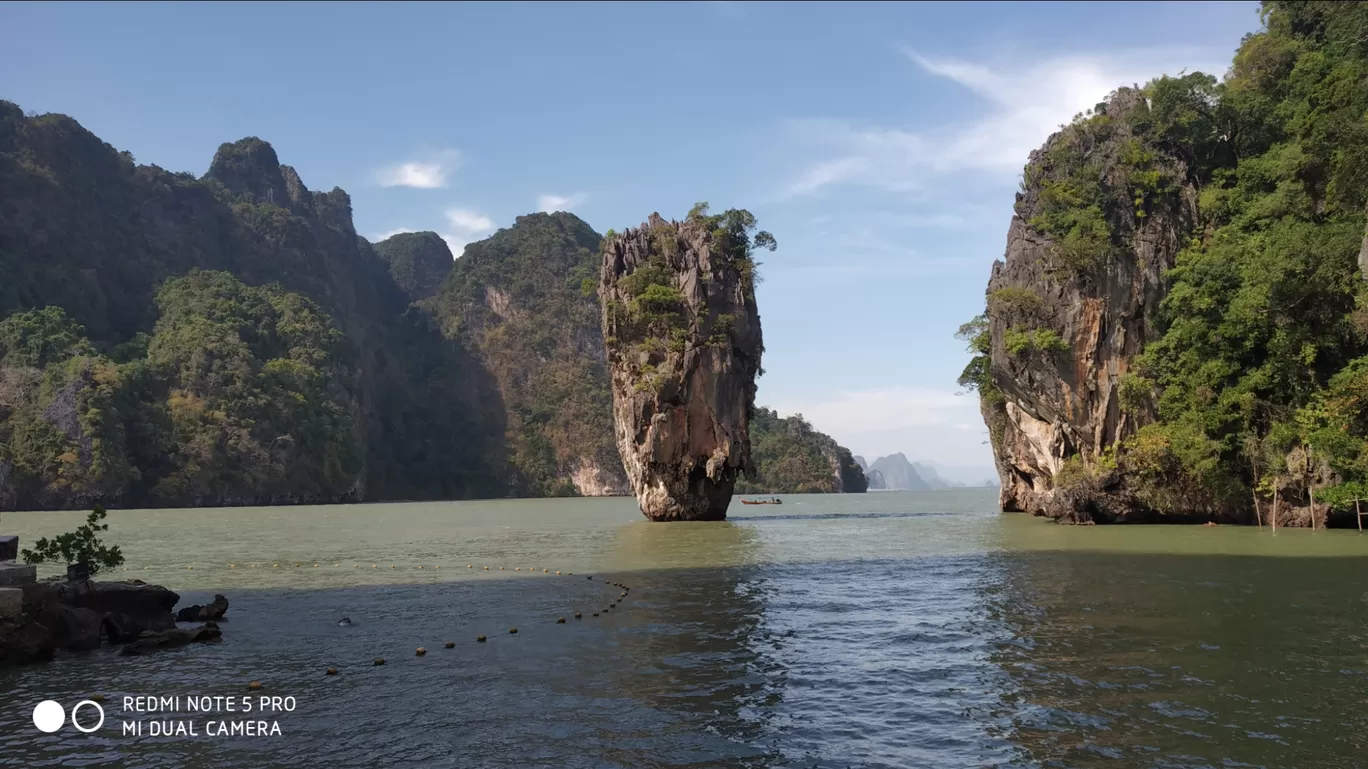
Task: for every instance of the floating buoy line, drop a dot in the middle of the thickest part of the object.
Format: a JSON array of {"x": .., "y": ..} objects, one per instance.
[{"x": 421, "y": 651}]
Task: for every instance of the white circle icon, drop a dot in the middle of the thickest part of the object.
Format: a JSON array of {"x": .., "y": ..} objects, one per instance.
[
  {"x": 98, "y": 709},
  {"x": 49, "y": 716}
]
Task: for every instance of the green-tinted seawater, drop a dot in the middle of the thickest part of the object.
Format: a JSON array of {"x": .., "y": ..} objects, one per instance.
[{"x": 890, "y": 629}]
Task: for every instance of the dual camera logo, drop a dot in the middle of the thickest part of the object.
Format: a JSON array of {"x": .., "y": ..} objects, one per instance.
[{"x": 49, "y": 716}]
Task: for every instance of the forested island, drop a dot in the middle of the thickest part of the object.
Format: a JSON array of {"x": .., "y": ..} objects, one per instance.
[
  {"x": 229, "y": 339},
  {"x": 1179, "y": 331}
]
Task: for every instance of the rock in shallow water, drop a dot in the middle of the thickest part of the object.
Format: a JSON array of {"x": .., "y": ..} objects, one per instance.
[
  {"x": 170, "y": 639},
  {"x": 211, "y": 613},
  {"x": 682, "y": 333}
]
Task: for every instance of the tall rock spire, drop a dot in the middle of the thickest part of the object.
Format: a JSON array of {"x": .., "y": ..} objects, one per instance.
[{"x": 683, "y": 340}]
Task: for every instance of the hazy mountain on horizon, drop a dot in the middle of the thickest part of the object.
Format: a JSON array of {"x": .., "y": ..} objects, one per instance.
[{"x": 896, "y": 472}]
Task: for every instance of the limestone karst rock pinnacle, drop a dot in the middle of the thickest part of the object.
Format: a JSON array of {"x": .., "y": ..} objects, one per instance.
[{"x": 683, "y": 342}]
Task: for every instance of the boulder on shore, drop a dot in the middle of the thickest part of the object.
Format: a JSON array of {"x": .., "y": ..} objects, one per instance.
[
  {"x": 79, "y": 615},
  {"x": 24, "y": 640},
  {"x": 72, "y": 628},
  {"x": 127, "y": 608}
]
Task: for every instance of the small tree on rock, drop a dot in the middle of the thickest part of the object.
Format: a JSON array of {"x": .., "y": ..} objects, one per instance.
[{"x": 80, "y": 546}]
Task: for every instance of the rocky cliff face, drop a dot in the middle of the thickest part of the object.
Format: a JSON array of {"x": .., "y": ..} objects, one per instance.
[
  {"x": 86, "y": 229},
  {"x": 523, "y": 301},
  {"x": 683, "y": 339},
  {"x": 1072, "y": 303}
]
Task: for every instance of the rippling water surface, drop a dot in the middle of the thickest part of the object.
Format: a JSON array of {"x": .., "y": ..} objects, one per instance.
[{"x": 878, "y": 630}]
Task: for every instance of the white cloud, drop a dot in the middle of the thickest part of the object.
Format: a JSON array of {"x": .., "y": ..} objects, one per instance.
[
  {"x": 427, "y": 174},
  {"x": 552, "y": 203},
  {"x": 469, "y": 222},
  {"x": 1026, "y": 102},
  {"x": 464, "y": 225},
  {"x": 923, "y": 423}
]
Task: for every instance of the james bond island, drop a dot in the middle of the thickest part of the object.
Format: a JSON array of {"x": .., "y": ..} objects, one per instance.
[{"x": 682, "y": 333}]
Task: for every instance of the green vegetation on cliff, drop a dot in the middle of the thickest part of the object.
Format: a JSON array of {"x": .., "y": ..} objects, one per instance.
[
  {"x": 418, "y": 261},
  {"x": 1259, "y": 373},
  {"x": 229, "y": 339},
  {"x": 86, "y": 233},
  {"x": 1265, "y": 332},
  {"x": 792, "y": 458},
  {"x": 241, "y": 395},
  {"x": 518, "y": 299}
]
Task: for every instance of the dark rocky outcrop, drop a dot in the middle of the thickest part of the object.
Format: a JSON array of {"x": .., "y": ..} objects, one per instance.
[
  {"x": 124, "y": 609},
  {"x": 81, "y": 615},
  {"x": 23, "y": 640},
  {"x": 683, "y": 338},
  {"x": 149, "y": 642},
  {"x": 213, "y": 612},
  {"x": 73, "y": 628}
]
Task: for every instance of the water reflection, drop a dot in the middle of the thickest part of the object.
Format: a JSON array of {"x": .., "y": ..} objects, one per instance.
[
  {"x": 1170, "y": 660},
  {"x": 695, "y": 641}
]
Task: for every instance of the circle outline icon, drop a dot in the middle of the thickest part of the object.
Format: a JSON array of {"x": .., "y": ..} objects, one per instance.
[{"x": 98, "y": 709}]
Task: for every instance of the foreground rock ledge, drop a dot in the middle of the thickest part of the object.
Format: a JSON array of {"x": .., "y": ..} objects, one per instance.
[
  {"x": 74, "y": 616},
  {"x": 682, "y": 334}
]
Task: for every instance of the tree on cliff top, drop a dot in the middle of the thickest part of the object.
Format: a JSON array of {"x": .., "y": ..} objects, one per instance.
[{"x": 734, "y": 234}]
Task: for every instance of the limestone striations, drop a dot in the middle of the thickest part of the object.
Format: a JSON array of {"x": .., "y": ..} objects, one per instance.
[
  {"x": 1072, "y": 303},
  {"x": 683, "y": 340}
]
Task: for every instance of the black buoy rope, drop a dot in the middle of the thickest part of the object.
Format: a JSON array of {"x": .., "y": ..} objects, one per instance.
[{"x": 422, "y": 651}]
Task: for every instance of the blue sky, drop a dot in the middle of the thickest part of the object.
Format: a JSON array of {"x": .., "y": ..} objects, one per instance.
[{"x": 881, "y": 143}]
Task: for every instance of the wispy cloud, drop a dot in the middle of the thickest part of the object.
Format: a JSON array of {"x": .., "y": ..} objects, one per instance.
[
  {"x": 468, "y": 221},
  {"x": 463, "y": 226},
  {"x": 428, "y": 173},
  {"x": 551, "y": 203},
  {"x": 1026, "y": 102}
]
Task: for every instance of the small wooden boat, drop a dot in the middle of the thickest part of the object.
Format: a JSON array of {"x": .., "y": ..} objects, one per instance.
[{"x": 770, "y": 501}]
